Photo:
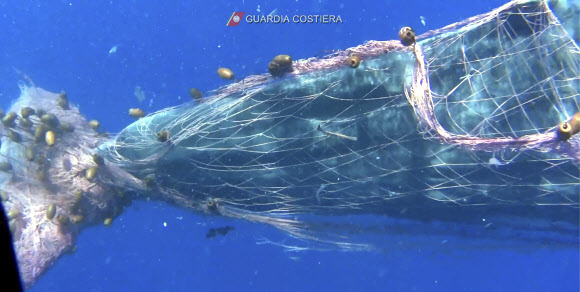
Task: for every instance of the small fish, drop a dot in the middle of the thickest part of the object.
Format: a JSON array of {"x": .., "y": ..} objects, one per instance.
[
  {"x": 336, "y": 134},
  {"x": 422, "y": 19},
  {"x": 212, "y": 232}
]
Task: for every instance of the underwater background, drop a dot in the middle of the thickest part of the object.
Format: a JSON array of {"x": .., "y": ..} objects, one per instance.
[{"x": 99, "y": 52}]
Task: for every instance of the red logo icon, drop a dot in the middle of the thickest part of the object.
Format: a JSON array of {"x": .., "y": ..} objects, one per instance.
[{"x": 235, "y": 19}]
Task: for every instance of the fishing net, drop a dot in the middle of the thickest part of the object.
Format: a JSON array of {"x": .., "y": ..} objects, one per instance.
[
  {"x": 467, "y": 117},
  {"x": 475, "y": 124}
]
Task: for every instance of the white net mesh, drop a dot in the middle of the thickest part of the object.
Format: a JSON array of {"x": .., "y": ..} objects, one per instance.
[{"x": 460, "y": 126}]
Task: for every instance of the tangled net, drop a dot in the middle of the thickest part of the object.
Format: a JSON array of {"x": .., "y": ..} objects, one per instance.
[
  {"x": 461, "y": 126},
  {"x": 477, "y": 121}
]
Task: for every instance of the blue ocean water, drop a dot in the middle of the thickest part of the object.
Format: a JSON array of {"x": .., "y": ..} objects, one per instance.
[{"x": 166, "y": 47}]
